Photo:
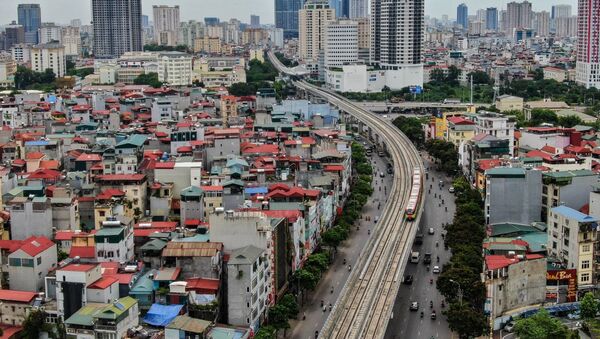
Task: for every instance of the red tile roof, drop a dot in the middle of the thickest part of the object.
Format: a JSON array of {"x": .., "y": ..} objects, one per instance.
[
  {"x": 549, "y": 149},
  {"x": 34, "y": 155},
  {"x": 211, "y": 188},
  {"x": 121, "y": 177},
  {"x": 78, "y": 267},
  {"x": 36, "y": 245},
  {"x": 10, "y": 245},
  {"x": 109, "y": 193},
  {"x": 124, "y": 278},
  {"x": 83, "y": 252},
  {"x": 89, "y": 157},
  {"x": 460, "y": 121},
  {"x": 103, "y": 283},
  {"x": 291, "y": 215},
  {"x": 262, "y": 149},
  {"x": 334, "y": 168},
  {"x": 537, "y": 153},
  {"x": 297, "y": 192},
  {"x": 66, "y": 234},
  {"x": 165, "y": 165},
  {"x": 486, "y": 164},
  {"x": 50, "y": 164},
  {"x": 17, "y": 296},
  {"x": 46, "y": 174}
]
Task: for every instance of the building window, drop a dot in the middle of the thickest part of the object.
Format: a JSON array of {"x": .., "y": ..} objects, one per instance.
[
  {"x": 16, "y": 262},
  {"x": 585, "y": 248},
  {"x": 27, "y": 262},
  {"x": 585, "y": 277},
  {"x": 585, "y": 264},
  {"x": 39, "y": 260}
]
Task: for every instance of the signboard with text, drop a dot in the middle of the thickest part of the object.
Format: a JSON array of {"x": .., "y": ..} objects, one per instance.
[{"x": 562, "y": 277}]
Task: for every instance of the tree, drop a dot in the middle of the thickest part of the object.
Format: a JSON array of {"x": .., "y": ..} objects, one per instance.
[
  {"x": 589, "y": 306},
  {"x": 540, "y": 116},
  {"x": 289, "y": 302},
  {"x": 437, "y": 76},
  {"x": 306, "y": 279},
  {"x": 318, "y": 261},
  {"x": 466, "y": 321},
  {"x": 150, "y": 79},
  {"x": 541, "y": 326},
  {"x": 278, "y": 318},
  {"x": 62, "y": 255},
  {"x": 538, "y": 74},
  {"x": 35, "y": 324},
  {"x": 333, "y": 237},
  {"x": 480, "y": 78},
  {"x": 266, "y": 332},
  {"x": 412, "y": 128},
  {"x": 241, "y": 88},
  {"x": 569, "y": 121},
  {"x": 470, "y": 282},
  {"x": 453, "y": 74}
]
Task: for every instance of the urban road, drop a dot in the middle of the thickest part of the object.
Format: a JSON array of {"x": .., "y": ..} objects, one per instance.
[
  {"x": 406, "y": 323},
  {"x": 365, "y": 304}
]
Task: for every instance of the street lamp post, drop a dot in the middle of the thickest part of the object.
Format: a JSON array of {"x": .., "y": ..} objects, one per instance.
[{"x": 460, "y": 294}]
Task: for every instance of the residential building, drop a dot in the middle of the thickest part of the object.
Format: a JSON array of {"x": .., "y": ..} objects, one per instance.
[
  {"x": 184, "y": 326},
  {"x": 358, "y": 8},
  {"x": 114, "y": 242},
  {"x": 78, "y": 284},
  {"x": 48, "y": 32},
  {"x": 462, "y": 15},
  {"x": 166, "y": 24},
  {"x": 512, "y": 282},
  {"x": 513, "y": 195},
  {"x": 518, "y": 16},
  {"x": 175, "y": 68},
  {"x": 567, "y": 188},
  {"x": 30, "y": 263},
  {"x": 15, "y": 306},
  {"x": 30, "y": 215},
  {"x": 341, "y": 43},
  {"x": 498, "y": 125},
  {"x": 15, "y": 34},
  {"x": 189, "y": 32},
  {"x": 566, "y": 27},
  {"x": 588, "y": 46},
  {"x": 49, "y": 56},
  {"x": 71, "y": 39},
  {"x": 8, "y": 68},
  {"x": 312, "y": 20},
  {"x": 30, "y": 17},
  {"x": 104, "y": 320},
  {"x": 393, "y": 22},
  {"x": 286, "y": 17},
  {"x": 248, "y": 286},
  {"x": 196, "y": 258},
  {"x": 572, "y": 239},
  {"x": 491, "y": 19},
  {"x": 541, "y": 23},
  {"x": 558, "y": 74},
  {"x": 117, "y": 27},
  {"x": 561, "y": 11},
  {"x": 254, "y": 21},
  {"x": 459, "y": 130},
  {"x": 21, "y": 53}
]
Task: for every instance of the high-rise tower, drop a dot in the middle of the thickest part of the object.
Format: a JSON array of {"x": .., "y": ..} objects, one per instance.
[{"x": 117, "y": 27}]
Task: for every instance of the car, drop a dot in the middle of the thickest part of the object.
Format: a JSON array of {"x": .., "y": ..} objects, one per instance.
[
  {"x": 408, "y": 279},
  {"x": 510, "y": 327},
  {"x": 390, "y": 170},
  {"x": 436, "y": 269},
  {"x": 414, "y": 306},
  {"x": 381, "y": 154},
  {"x": 431, "y": 230},
  {"x": 382, "y": 175},
  {"x": 376, "y": 219},
  {"x": 385, "y": 116},
  {"x": 451, "y": 189}
]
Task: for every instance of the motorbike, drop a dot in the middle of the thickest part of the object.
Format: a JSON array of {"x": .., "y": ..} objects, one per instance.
[
  {"x": 421, "y": 314},
  {"x": 433, "y": 315},
  {"x": 431, "y": 283}
]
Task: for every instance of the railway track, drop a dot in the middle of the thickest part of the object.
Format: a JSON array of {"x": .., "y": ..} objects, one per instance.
[{"x": 365, "y": 304}]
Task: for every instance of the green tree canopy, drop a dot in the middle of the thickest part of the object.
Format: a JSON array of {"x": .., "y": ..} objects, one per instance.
[
  {"x": 412, "y": 128},
  {"x": 466, "y": 321},
  {"x": 541, "y": 326},
  {"x": 589, "y": 306},
  {"x": 150, "y": 79}
]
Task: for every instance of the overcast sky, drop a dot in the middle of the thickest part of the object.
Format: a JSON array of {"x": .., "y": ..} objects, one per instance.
[{"x": 62, "y": 11}]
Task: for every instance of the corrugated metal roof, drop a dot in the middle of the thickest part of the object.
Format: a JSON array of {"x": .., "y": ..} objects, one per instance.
[
  {"x": 188, "y": 324},
  {"x": 192, "y": 249}
]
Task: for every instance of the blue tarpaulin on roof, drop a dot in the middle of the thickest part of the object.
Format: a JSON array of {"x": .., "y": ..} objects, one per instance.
[
  {"x": 162, "y": 315},
  {"x": 256, "y": 190}
]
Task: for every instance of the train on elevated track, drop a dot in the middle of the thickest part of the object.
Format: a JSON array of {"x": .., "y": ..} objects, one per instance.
[{"x": 415, "y": 194}]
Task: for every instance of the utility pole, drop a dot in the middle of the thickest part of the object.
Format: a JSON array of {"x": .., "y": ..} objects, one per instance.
[{"x": 471, "y": 89}]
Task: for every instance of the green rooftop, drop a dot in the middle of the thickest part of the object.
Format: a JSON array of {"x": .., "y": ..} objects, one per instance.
[
  {"x": 136, "y": 140},
  {"x": 506, "y": 172}
]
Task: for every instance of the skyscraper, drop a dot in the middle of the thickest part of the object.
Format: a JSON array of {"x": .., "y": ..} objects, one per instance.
[
  {"x": 462, "y": 15},
  {"x": 541, "y": 23},
  {"x": 561, "y": 11},
  {"x": 491, "y": 19},
  {"x": 397, "y": 29},
  {"x": 286, "y": 16},
  {"x": 254, "y": 21},
  {"x": 15, "y": 34},
  {"x": 117, "y": 27},
  {"x": 518, "y": 15},
  {"x": 30, "y": 17},
  {"x": 588, "y": 44},
  {"x": 313, "y": 19},
  {"x": 166, "y": 24},
  {"x": 358, "y": 9}
]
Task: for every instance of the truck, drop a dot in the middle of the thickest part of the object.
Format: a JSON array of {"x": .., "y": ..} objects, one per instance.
[
  {"x": 414, "y": 257},
  {"x": 419, "y": 239},
  {"x": 427, "y": 258}
]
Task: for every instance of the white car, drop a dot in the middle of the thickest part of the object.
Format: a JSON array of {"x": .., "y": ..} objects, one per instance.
[
  {"x": 431, "y": 230},
  {"x": 436, "y": 269},
  {"x": 451, "y": 189},
  {"x": 376, "y": 219}
]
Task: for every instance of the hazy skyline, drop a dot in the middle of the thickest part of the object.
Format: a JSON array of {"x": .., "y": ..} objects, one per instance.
[{"x": 62, "y": 11}]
